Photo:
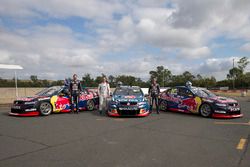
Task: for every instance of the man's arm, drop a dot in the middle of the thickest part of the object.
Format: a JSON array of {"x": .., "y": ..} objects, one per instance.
[
  {"x": 149, "y": 89},
  {"x": 98, "y": 89},
  {"x": 80, "y": 86},
  {"x": 158, "y": 87},
  {"x": 108, "y": 89},
  {"x": 70, "y": 88}
]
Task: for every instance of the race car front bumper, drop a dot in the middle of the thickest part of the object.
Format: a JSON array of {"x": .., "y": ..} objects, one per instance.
[
  {"x": 215, "y": 115},
  {"x": 117, "y": 113},
  {"x": 24, "y": 110},
  {"x": 25, "y": 114}
]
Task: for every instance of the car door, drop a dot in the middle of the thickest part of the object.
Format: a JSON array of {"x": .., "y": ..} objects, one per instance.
[
  {"x": 171, "y": 97},
  {"x": 62, "y": 101},
  {"x": 187, "y": 100}
]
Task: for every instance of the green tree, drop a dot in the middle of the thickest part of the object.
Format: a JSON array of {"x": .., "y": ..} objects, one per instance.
[
  {"x": 242, "y": 63},
  {"x": 112, "y": 80},
  {"x": 87, "y": 80},
  {"x": 163, "y": 75},
  {"x": 33, "y": 78}
]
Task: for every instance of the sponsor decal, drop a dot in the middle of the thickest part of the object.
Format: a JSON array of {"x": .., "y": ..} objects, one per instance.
[
  {"x": 53, "y": 102},
  {"x": 43, "y": 98},
  {"x": 25, "y": 99},
  {"x": 128, "y": 108},
  {"x": 16, "y": 107},
  {"x": 32, "y": 109},
  {"x": 232, "y": 109},
  {"x": 173, "y": 99},
  {"x": 191, "y": 104},
  {"x": 129, "y": 97}
]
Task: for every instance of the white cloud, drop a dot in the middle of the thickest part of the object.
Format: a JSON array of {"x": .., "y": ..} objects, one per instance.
[
  {"x": 158, "y": 14},
  {"x": 4, "y": 57},
  {"x": 246, "y": 47},
  {"x": 166, "y": 36},
  {"x": 94, "y": 9},
  {"x": 157, "y": 28},
  {"x": 195, "y": 53}
]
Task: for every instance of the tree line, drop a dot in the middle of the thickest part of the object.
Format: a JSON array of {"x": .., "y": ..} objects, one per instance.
[{"x": 236, "y": 78}]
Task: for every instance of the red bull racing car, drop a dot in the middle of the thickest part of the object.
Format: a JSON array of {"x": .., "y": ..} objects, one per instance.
[
  {"x": 55, "y": 99},
  {"x": 199, "y": 101}
]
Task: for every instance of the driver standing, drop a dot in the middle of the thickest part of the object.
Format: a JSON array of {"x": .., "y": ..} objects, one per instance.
[
  {"x": 154, "y": 92},
  {"x": 75, "y": 90}
]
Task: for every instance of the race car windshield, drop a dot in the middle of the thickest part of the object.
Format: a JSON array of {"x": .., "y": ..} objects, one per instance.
[
  {"x": 49, "y": 91},
  {"x": 128, "y": 91},
  {"x": 203, "y": 92}
]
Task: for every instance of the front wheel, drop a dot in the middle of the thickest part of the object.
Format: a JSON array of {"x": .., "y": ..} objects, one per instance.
[
  {"x": 163, "y": 105},
  {"x": 206, "y": 110},
  {"x": 45, "y": 108},
  {"x": 90, "y": 105}
]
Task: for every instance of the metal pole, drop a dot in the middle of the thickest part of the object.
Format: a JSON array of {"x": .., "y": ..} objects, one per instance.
[
  {"x": 16, "y": 84},
  {"x": 233, "y": 75}
]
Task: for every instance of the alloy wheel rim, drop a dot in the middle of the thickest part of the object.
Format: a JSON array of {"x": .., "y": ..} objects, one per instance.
[
  {"x": 45, "y": 108},
  {"x": 163, "y": 106},
  {"x": 205, "y": 110},
  {"x": 90, "y": 105}
]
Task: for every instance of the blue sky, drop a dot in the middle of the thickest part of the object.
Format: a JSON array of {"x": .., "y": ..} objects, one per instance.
[{"x": 54, "y": 40}]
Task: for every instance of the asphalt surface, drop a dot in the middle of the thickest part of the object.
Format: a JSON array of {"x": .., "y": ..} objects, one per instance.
[{"x": 88, "y": 139}]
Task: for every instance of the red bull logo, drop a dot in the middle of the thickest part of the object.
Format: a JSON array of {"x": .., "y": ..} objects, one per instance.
[{"x": 191, "y": 104}]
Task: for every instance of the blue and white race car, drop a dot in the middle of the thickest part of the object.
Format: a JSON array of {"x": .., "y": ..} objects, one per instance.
[{"x": 128, "y": 101}]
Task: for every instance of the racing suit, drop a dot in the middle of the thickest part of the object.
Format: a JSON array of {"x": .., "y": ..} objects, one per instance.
[
  {"x": 75, "y": 89},
  {"x": 104, "y": 92},
  {"x": 154, "y": 91}
]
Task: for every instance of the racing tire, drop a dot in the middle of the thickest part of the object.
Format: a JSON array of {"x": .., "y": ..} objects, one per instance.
[
  {"x": 163, "y": 106},
  {"x": 90, "y": 105},
  {"x": 45, "y": 108},
  {"x": 206, "y": 110}
]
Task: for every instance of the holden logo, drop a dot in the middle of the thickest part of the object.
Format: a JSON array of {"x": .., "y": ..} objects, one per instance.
[{"x": 128, "y": 103}]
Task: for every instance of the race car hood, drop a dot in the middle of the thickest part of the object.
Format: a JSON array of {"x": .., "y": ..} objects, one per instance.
[
  {"x": 221, "y": 99},
  {"x": 129, "y": 98}
]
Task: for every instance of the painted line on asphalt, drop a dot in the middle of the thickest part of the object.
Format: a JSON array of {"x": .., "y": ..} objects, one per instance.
[
  {"x": 232, "y": 123},
  {"x": 241, "y": 144},
  {"x": 119, "y": 120},
  {"x": 101, "y": 119}
]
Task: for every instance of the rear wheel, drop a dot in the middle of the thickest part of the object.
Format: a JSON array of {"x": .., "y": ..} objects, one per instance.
[
  {"x": 90, "y": 105},
  {"x": 45, "y": 108},
  {"x": 206, "y": 110},
  {"x": 163, "y": 106}
]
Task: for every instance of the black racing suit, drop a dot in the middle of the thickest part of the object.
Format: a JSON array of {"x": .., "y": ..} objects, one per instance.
[
  {"x": 154, "y": 91},
  {"x": 75, "y": 89}
]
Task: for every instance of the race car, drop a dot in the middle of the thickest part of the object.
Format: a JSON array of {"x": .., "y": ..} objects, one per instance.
[
  {"x": 54, "y": 99},
  {"x": 199, "y": 101},
  {"x": 128, "y": 101}
]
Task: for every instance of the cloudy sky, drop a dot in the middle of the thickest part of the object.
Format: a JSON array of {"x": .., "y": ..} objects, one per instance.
[{"x": 56, "y": 38}]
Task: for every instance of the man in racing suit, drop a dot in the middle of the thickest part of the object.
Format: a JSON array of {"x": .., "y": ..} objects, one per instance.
[
  {"x": 154, "y": 92},
  {"x": 104, "y": 93},
  {"x": 75, "y": 89}
]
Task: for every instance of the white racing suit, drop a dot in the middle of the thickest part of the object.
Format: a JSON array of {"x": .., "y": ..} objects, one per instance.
[{"x": 104, "y": 92}]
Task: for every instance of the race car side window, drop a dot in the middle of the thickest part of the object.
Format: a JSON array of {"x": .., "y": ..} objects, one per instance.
[
  {"x": 172, "y": 91},
  {"x": 185, "y": 92}
]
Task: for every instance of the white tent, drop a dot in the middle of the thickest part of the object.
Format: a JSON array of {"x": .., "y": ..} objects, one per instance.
[{"x": 12, "y": 67}]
